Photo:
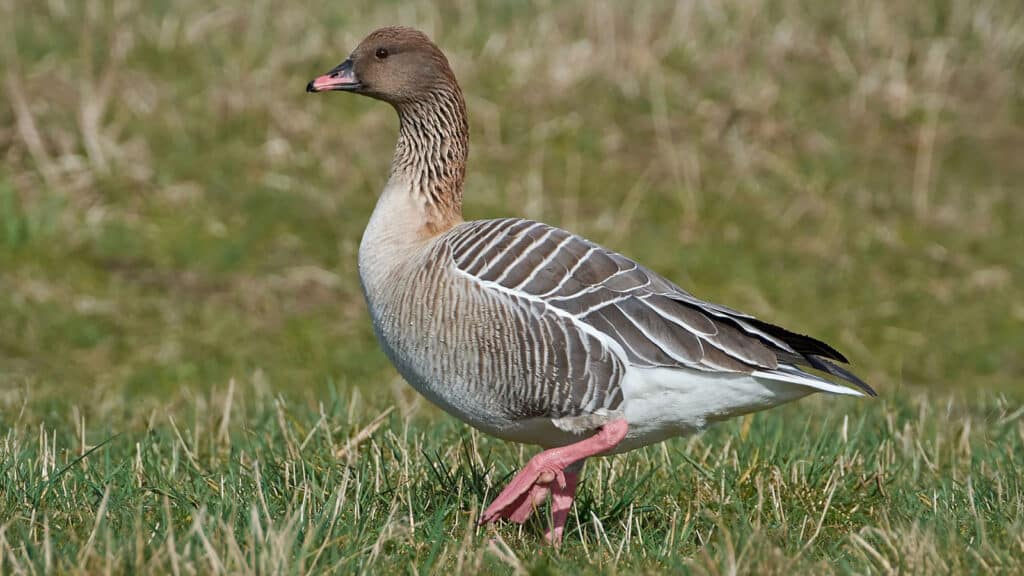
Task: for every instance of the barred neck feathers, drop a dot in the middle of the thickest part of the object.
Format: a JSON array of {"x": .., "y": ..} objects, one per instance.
[{"x": 430, "y": 156}]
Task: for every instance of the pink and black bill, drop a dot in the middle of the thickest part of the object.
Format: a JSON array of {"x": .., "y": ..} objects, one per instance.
[{"x": 341, "y": 77}]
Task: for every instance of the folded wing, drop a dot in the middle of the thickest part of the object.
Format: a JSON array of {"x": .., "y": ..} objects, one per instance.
[{"x": 648, "y": 319}]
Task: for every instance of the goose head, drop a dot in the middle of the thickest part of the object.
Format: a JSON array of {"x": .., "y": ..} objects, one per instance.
[{"x": 395, "y": 64}]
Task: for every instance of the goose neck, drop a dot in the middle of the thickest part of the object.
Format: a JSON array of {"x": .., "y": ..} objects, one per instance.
[{"x": 430, "y": 157}]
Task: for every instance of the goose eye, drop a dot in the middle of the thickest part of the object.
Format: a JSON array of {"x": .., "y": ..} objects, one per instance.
[{"x": 382, "y": 53}]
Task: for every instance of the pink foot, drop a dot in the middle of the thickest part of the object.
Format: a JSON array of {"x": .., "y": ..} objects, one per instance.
[{"x": 546, "y": 474}]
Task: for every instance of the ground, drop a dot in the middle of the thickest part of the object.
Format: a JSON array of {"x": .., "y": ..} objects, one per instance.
[{"x": 189, "y": 382}]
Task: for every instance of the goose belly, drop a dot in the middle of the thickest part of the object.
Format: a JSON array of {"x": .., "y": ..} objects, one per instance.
[
  {"x": 444, "y": 352},
  {"x": 475, "y": 357},
  {"x": 426, "y": 361}
]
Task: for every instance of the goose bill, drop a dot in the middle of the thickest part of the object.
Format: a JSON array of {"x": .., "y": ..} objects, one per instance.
[{"x": 341, "y": 77}]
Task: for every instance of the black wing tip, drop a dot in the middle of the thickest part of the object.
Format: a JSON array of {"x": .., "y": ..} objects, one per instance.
[
  {"x": 840, "y": 372},
  {"x": 802, "y": 343},
  {"x": 817, "y": 353}
]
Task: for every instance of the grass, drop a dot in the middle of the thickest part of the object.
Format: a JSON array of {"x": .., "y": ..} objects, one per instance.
[
  {"x": 241, "y": 480},
  {"x": 176, "y": 215}
]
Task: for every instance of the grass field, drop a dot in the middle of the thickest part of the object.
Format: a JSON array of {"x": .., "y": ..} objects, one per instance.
[{"x": 189, "y": 382}]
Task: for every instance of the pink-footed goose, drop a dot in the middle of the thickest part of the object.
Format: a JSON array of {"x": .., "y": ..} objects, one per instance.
[{"x": 531, "y": 333}]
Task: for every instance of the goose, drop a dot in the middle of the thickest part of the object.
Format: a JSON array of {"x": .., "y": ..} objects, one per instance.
[{"x": 531, "y": 333}]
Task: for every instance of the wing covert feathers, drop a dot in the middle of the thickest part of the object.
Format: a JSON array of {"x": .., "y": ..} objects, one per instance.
[{"x": 649, "y": 320}]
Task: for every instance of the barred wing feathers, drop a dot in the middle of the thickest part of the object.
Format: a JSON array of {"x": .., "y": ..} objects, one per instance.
[{"x": 651, "y": 321}]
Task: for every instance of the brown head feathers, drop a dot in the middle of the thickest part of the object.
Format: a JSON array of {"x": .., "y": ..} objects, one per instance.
[{"x": 400, "y": 65}]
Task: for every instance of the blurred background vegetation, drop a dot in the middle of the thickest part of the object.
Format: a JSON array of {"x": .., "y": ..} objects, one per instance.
[
  {"x": 175, "y": 211},
  {"x": 188, "y": 378}
]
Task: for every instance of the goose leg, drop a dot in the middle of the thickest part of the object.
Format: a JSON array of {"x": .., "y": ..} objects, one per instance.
[
  {"x": 561, "y": 502},
  {"x": 555, "y": 472}
]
